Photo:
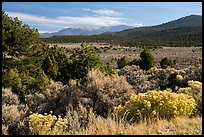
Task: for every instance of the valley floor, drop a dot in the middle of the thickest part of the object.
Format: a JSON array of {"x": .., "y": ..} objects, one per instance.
[{"x": 185, "y": 56}]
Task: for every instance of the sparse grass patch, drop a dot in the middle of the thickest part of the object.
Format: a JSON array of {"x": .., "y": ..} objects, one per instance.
[{"x": 177, "y": 126}]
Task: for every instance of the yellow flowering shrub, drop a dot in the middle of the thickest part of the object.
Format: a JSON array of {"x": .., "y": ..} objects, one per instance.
[
  {"x": 47, "y": 124},
  {"x": 156, "y": 104},
  {"x": 152, "y": 70},
  {"x": 199, "y": 61},
  {"x": 195, "y": 85},
  {"x": 179, "y": 77},
  {"x": 194, "y": 90}
]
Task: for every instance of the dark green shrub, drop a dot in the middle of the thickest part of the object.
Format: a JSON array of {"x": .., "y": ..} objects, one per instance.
[
  {"x": 147, "y": 59},
  {"x": 62, "y": 65},
  {"x": 165, "y": 62},
  {"x": 174, "y": 63},
  {"x": 22, "y": 58},
  {"x": 11, "y": 79},
  {"x": 17, "y": 39},
  {"x": 23, "y": 84},
  {"x": 50, "y": 66},
  {"x": 82, "y": 61},
  {"x": 56, "y": 64},
  {"x": 36, "y": 83},
  {"x": 122, "y": 62}
]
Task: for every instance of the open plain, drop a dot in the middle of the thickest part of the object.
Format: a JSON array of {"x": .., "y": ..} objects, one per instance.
[{"x": 184, "y": 56}]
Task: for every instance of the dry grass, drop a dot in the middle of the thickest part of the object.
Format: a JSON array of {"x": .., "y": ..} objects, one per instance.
[
  {"x": 113, "y": 126},
  {"x": 177, "y": 126}
]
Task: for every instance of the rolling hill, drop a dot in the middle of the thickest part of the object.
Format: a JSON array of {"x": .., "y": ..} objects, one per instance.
[{"x": 185, "y": 31}]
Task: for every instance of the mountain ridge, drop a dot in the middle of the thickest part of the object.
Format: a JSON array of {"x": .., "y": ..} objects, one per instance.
[
  {"x": 185, "y": 31},
  {"x": 84, "y": 30}
]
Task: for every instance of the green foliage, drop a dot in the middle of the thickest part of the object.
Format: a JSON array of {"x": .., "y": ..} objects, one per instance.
[
  {"x": 17, "y": 40},
  {"x": 147, "y": 59},
  {"x": 56, "y": 64},
  {"x": 82, "y": 61},
  {"x": 122, "y": 62},
  {"x": 36, "y": 84},
  {"x": 80, "y": 39},
  {"x": 108, "y": 70},
  {"x": 156, "y": 104},
  {"x": 22, "y": 58},
  {"x": 165, "y": 62},
  {"x": 23, "y": 84},
  {"x": 50, "y": 66},
  {"x": 12, "y": 79},
  {"x": 63, "y": 65}
]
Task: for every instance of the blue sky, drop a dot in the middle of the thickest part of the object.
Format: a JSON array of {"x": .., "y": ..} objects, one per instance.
[{"x": 54, "y": 16}]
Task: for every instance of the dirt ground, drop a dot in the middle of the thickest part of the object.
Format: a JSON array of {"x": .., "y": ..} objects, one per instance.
[
  {"x": 185, "y": 56},
  {"x": 77, "y": 45}
]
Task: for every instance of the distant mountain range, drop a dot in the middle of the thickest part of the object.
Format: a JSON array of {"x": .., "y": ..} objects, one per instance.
[
  {"x": 75, "y": 31},
  {"x": 187, "y": 21},
  {"x": 185, "y": 31}
]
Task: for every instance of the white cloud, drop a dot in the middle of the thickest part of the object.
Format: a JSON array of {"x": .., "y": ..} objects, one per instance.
[
  {"x": 87, "y": 9},
  {"x": 67, "y": 21},
  {"x": 45, "y": 31},
  {"x": 38, "y": 20},
  {"x": 137, "y": 24},
  {"x": 95, "y": 20},
  {"x": 106, "y": 12},
  {"x": 43, "y": 17}
]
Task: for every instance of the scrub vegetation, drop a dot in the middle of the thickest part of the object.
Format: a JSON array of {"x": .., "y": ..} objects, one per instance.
[{"x": 53, "y": 90}]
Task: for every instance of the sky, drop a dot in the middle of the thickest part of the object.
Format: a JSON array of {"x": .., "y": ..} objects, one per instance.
[{"x": 55, "y": 16}]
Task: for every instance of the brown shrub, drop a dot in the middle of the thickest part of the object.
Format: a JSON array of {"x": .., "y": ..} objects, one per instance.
[
  {"x": 106, "y": 92},
  {"x": 57, "y": 98},
  {"x": 14, "y": 120},
  {"x": 10, "y": 114},
  {"x": 9, "y": 98}
]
